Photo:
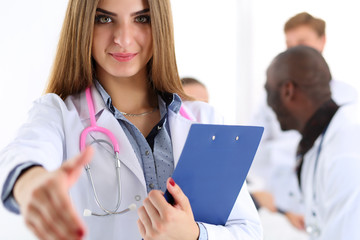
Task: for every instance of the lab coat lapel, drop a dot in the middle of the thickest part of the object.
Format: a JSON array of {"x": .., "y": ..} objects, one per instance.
[
  {"x": 126, "y": 153},
  {"x": 107, "y": 120},
  {"x": 179, "y": 129}
]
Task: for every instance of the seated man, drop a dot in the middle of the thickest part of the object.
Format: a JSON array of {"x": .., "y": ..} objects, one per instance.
[{"x": 328, "y": 155}]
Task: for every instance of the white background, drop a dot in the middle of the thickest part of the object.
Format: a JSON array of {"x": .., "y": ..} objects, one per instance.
[{"x": 225, "y": 44}]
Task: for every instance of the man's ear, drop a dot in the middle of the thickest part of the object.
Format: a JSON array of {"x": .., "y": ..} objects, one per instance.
[{"x": 288, "y": 91}]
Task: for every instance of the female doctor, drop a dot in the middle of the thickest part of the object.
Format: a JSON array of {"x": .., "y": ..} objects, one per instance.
[{"x": 114, "y": 86}]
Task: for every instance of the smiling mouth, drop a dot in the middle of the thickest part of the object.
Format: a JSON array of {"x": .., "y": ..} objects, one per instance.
[{"x": 123, "y": 57}]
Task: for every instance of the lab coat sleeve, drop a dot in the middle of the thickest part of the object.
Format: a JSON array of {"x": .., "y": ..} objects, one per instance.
[
  {"x": 243, "y": 222},
  {"x": 341, "y": 190},
  {"x": 40, "y": 140}
]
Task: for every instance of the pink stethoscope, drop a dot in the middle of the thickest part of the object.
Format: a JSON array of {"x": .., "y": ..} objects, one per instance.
[{"x": 95, "y": 128}]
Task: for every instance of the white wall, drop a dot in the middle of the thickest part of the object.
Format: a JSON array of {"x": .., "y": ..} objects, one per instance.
[
  {"x": 28, "y": 41},
  {"x": 206, "y": 44}
]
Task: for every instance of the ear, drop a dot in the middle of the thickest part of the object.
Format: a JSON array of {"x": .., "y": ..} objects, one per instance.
[{"x": 288, "y": 91}]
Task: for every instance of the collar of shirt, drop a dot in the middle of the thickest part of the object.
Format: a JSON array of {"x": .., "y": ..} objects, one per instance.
[
  {"x": 170, "y": 101},
  {"x": 154, "y": 151}
]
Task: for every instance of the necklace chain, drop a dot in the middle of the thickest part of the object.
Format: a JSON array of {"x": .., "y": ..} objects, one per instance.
[{"x": 138, "y": 114}]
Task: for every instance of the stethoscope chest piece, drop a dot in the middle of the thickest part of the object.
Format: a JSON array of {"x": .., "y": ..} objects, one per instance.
[{"x": 313, "y": 230}]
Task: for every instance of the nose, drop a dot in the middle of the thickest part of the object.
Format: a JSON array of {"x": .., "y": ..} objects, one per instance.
[{"x": 123, "y": 35}]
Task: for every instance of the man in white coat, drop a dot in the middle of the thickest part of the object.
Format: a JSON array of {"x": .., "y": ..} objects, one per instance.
[{"x": 328, "y": 155}]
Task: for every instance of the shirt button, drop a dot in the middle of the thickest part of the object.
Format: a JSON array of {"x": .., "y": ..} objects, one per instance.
[
  {"x": 147, "y": 153},
  {"x": 151, "y": 185},
  {"x": 137, "y": 198}
]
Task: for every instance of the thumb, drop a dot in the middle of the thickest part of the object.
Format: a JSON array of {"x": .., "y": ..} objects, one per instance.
[
  {"x": 73, "y": 167},
  {"x": 180, "y": 199}
]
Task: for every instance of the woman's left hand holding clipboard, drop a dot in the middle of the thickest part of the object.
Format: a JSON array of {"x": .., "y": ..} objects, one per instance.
[{"x": 160, "y": 220}]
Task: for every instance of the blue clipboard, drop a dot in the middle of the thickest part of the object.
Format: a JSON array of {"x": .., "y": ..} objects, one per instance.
[{"x": 213, "y": 166}]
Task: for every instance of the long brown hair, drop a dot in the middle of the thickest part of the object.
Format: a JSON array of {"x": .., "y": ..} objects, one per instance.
[{"x": 73, "y": 68}]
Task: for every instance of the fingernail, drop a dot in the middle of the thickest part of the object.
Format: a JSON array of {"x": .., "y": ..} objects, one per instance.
[
  {"x": 80, "y": 232},
  {"x": 172, "y": 182}
]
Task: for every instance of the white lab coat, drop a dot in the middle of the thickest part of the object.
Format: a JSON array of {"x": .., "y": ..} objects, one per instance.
[
  {"x": 336, "y": 181},
  {"x": 51, "y": 136}
]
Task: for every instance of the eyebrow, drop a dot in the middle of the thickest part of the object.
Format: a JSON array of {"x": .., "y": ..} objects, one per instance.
[
  {"x": 106, "y": 12},
  {"x": 146, "y": 10}
]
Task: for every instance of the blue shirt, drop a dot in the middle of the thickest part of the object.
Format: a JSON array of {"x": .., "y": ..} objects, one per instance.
[{"x": 155, "y": 151}]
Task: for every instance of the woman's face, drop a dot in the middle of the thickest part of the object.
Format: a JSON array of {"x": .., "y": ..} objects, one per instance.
[{"x": 122, "y": 40}]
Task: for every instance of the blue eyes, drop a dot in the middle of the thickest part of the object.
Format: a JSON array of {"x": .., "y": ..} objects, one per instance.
[{"x": 103, "y": 19}]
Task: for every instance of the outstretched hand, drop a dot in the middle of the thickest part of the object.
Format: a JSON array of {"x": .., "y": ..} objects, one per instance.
[
  {"x": 45, "y": 203},
  {"x": 160, "y": 220}
]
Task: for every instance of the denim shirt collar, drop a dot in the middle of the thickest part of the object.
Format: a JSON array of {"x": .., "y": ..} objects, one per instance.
[{"x": 170, "y": 101}]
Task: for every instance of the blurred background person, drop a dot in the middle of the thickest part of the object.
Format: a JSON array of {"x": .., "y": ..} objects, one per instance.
[
  {"x": 304, "y": 29},
  {"x": 195, "y": 89},
  {"x": 274, "y": 183},
  {"x": 328, "y": 155}
]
